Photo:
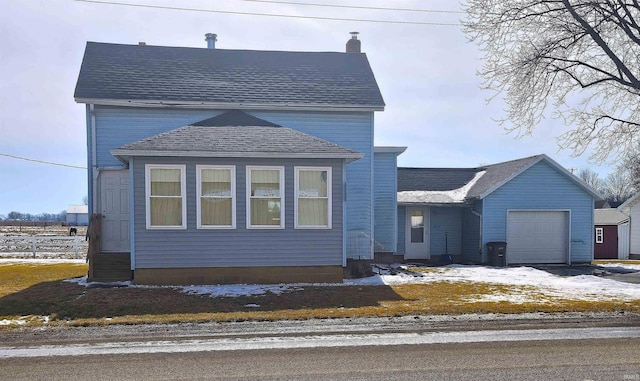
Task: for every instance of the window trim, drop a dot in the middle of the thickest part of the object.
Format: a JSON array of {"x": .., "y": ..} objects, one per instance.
[
  {"x": 183, "y": 195},
  {"x": 297, "y": 170},
  {"x": 199, "y": 169},
  {"x": 281, "y": 171},
  {"x": 599, "y": 235}
]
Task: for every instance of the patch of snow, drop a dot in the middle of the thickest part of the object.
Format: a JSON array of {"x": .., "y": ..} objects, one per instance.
[
  {"x": 38, "y": 261},
  {"x": 252, "y": 305},
  {"x": 82, "y": 281},
  {"x": 235, "y": 290},
  {"x": 583, "y": 287},
  {"x": 439, "y": 197},
  {"x": 21, "y": 321},
  {"x": 620, "y": 265}
]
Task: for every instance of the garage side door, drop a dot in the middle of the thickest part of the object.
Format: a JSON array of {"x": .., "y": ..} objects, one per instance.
[{"x": 537, "y": 237}]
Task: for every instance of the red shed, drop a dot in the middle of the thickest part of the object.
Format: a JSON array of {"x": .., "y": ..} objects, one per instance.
[{"x": 611, "y": 229}]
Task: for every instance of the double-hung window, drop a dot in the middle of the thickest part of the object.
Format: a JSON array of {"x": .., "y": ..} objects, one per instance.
[
  {"x": 216, "y": 189},
  {"x": 313, "y": 197},
  {"x": 166, "y": 196},
  {"x": 265, "y": 197}
]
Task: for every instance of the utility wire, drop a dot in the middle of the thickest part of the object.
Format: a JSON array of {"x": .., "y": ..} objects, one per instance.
[
  {"x": 263, "y": 14},
  {"x": 355, "y": 7},
  {"x": 42, "y": 161}
]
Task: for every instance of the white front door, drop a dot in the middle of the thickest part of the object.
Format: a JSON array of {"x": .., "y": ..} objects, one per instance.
[
  {"x": 417, "y": 233},
  {"x": 114, "y": 207}
]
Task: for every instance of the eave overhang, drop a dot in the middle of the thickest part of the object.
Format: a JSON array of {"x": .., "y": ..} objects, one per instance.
[{"x": 226, "y": 106}]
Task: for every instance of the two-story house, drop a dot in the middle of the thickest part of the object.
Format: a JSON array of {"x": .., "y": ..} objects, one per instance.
[{"x": 210, "y": 165}]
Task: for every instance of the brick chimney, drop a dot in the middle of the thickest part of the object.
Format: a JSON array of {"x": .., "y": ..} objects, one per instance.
[
  {"x": 211, "y": 40},
  {"x": 353, "y": 45}
]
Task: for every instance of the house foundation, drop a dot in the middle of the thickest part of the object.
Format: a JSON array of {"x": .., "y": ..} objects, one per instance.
[{"x": 239, "y": 275}]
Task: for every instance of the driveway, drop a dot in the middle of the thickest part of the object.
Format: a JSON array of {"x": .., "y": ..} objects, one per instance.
[{"x": 616, "y": 272}]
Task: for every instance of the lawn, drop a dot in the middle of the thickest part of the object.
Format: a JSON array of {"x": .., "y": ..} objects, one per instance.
[{"x": 37, "y": 294}]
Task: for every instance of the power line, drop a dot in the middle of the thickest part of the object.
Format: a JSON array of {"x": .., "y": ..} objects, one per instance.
[
  {"x": 263, "y": 14},
  {"x": 355, "y": 7},
  {"x": 42, "y": 161}
]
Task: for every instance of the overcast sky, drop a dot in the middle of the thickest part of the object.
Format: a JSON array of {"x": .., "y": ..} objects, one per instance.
[{"x": 427, "y": 75}]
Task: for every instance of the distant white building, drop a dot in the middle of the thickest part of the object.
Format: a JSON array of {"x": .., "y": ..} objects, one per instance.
[{"x": 77, "y": 215}]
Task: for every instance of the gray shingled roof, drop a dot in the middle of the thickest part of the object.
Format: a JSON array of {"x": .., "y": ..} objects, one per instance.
[
  {"x": 434, "y": 179},
  {"x": 498, "y": 174},
  {"x": 609, "y": 216},
  {"x": 436, "y": 183},
  {"x": 243, "y": 78},
  {"x": 211, "y": 139}
]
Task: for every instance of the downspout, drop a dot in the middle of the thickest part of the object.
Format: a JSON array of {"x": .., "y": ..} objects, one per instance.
[
  {"x": 480, "y": 233},
  {"x": 344, "y": 213},
  {"x": 132, "y": 227},
  {"x": 94, "y": 166}
]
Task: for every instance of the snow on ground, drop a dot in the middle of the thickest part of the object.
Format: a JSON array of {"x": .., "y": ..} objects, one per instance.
[
  {"x": 619, "y": 265},
  {"x": 529, "y": 284},
  {"x": 39, "y": 261}
]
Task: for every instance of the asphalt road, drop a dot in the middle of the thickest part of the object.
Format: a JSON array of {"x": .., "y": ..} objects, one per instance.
[
  {"x": 601, "y": 359},
  {"x": 592, "y": 353}
]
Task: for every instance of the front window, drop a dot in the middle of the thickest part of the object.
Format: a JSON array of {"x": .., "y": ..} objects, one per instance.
[
  {"x": 265, "y": 197},
  {"x": 165, "y": 190},
  {"x": 216, "y": 187},
  {"x": 417, "y": 226},
  {"x": 313, "y": 197},
  {"x": 599, "y": 235}
]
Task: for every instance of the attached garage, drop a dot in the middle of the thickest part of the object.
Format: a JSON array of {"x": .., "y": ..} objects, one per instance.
[
  {"x": 542, "y": 211},
  {"x": 537, "y": 236}
]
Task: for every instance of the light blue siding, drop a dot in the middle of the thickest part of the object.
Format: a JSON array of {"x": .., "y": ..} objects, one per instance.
[
  {"x": 117, "y": 126},
  {"x": 542, "y": 187},
  {"x": 385, "y": 185},
  {"x": 402, "y": 221},
  {"x": 445, "y": 230},
  {"x": 471, "y": 250},
  {"x": 238, "y": 247},
  {"x": 352, "y": 130}
]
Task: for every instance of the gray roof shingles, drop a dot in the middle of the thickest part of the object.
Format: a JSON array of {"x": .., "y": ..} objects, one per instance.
[
  {"x": 434, "y": 179},
  {"x": 446, "y": 179},
  {"x": 240, "y": 77}
]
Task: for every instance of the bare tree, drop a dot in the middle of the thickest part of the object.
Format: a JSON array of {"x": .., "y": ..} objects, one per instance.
[
  {"x": 631, "y": 164},
  {"x": 618, "y": 187},
  {"x": 591, "y": 178},
  {"x": 576, "y": 60}
]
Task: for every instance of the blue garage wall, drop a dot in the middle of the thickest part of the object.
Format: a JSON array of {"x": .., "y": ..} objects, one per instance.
[{"x": 542, "y": 187}]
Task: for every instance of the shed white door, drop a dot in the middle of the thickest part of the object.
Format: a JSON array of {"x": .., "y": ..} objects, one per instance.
[
  {"x": 114, "y": 207},
  {"x": 537, "y": 237},
  {"x": 417, "y": 233}
]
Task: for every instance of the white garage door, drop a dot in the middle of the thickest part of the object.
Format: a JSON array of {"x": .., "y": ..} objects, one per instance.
[{"x": 537, "y": 237}]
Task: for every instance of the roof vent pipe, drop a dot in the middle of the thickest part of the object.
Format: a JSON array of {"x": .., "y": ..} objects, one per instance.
[
  {"x": 211, "y": 40},
  {"x": 353, "y": 45}
]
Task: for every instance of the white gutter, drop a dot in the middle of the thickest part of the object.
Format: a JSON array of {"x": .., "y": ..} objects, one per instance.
[
  {"x": 230, "y": 105},
  {"x": 288, "y": 155}
]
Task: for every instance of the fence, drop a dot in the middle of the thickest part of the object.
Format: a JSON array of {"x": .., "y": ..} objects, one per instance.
[{"x": 42, "y": 244}]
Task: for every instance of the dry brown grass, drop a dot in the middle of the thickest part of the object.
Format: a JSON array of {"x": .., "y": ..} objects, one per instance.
[{"x": 37, "y": 290}]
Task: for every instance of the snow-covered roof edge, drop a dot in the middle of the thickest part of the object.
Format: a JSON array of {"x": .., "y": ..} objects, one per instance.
[{"x": 455, "y": 196}]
